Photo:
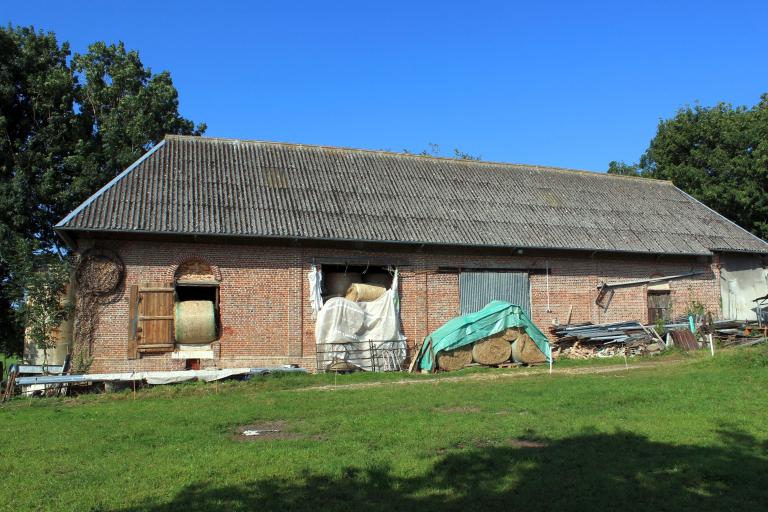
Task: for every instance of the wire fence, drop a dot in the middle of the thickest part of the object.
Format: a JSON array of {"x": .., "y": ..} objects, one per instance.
[{"x": 373, "y": 356}]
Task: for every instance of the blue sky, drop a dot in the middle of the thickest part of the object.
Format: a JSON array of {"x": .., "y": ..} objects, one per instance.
[{"x": 571, "y": 84}]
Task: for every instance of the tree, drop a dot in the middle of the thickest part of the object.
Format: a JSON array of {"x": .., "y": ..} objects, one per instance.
[
  {"x": 47, "y": 305},
  {"x": 623, "y": 169},
  {"x": 717, "y": 154},
  {"x": 68, "y": 124}
]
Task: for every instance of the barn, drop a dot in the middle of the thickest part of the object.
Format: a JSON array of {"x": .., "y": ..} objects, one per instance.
[{"x": 267, "y": 232}]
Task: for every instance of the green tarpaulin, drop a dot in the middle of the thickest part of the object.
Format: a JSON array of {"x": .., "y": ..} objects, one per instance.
[{"x": 497, "y": 316}]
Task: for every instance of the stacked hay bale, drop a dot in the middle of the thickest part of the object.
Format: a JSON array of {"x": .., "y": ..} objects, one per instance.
[
  {"x": 524, "y": 350},
  {"x": 455, "y": 359},
  {"x": 492, "y": 350},
  {"x": 358, "y": 292},
  {"x": 513, "y": 344}
]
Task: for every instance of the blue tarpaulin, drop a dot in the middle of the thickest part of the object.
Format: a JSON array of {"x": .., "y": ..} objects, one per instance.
[{"x": 496, "y": 317}]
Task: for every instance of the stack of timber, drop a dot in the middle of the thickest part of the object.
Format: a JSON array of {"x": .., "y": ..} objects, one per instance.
[
  {"x": 585, "y": 341},
  {"x": 733, "y": 333}
]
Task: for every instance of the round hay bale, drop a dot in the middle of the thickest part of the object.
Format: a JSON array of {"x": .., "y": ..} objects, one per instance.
[
  {"x": 336, "y": 283},
  {"x": 512, "y": 333},
  {"x": 455, "y": 359},
  {"x": 358, "y": 292},
  {"x": 195, "y": 321},
  {"x": 492, "y": 350},
  {"x": 524, "y": 350}
]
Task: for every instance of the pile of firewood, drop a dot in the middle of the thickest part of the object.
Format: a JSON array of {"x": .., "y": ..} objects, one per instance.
[{"x": 585, "y": 341}]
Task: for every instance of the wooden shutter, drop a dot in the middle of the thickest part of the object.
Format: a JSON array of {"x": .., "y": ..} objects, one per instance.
[{"x": 155, "y": 317}]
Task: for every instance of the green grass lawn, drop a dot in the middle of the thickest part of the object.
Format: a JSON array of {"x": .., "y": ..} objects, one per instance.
[{"x": 689, "y": 433}]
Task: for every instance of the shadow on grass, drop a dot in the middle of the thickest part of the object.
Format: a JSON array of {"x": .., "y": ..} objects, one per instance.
[{"x": 588, "y": 472}]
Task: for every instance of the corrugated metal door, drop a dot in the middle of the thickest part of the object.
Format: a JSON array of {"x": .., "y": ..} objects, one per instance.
[{"x": 476, "y": 289}]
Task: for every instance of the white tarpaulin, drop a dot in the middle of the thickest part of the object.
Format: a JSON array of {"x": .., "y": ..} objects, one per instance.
[
  {"x": 315, "y": 290},
  {"x": 364, "y": 334}
]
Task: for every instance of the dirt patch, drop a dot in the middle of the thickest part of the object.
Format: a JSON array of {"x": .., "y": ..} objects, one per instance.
[
  {"x": 525, "y": 443},
  {"x": 270, "y": 431},
  {"x": 493, "y": 443},
  {"x": 465, "y": 409}
]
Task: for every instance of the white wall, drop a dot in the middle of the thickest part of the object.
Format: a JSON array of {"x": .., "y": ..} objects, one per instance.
[{"x": 742, "y": 279}]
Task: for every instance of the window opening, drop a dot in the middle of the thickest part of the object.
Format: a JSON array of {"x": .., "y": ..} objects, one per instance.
[
  {"x": 338, "y": 278},
  {"x": 194, "y": 281}
]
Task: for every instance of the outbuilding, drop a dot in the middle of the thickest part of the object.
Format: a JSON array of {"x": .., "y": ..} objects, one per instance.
[{"x": 245, "y": 225}]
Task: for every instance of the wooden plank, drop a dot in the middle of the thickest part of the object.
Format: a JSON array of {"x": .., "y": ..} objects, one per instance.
[
  {"x": 155, "y": 348},
  {"x": 133, "y": 306},
  {"x": 156, "y": 289},
  {"x": 414, "y": 359}
]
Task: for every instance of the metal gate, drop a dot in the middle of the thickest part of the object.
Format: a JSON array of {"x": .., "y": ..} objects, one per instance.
[{"x": 476, "y": 289}]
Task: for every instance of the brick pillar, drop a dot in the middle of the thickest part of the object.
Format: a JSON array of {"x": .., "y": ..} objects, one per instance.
[{"x": 296, "y": 307}]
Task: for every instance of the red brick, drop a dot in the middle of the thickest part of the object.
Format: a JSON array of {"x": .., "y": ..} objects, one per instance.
[{"x": 267, "y": 318}]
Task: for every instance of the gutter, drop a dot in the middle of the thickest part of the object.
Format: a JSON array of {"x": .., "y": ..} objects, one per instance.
[{"x": 195, "y": 236}]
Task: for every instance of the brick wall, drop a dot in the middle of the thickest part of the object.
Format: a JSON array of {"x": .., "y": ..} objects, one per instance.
[{"x": 267, "y": 319}]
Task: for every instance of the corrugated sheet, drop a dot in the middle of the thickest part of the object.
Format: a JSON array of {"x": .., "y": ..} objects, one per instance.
[
  {"x": 477, "y": 289},
  {"x": 194, "y": 185}
]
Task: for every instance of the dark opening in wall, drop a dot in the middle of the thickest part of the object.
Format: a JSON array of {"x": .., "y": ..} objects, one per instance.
[
  {"x": 200, "y": 291},
  {"x": 197, "y": 292},
  {"x": 338, "y": 278}
]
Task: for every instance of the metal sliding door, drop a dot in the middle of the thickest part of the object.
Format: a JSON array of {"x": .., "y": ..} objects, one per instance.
[{"x": 476, "y": 289}]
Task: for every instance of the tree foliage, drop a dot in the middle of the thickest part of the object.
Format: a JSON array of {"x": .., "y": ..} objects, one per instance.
[
  {"x": 68, "y": 124},
  {"x": 47, "y": 304},
  {"x": 717, "y": 154},
  {"x": 434, "y": 150},
  {"x": 623, "y": 169}
]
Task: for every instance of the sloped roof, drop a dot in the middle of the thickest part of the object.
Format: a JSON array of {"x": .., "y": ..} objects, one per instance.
[{"x": 206, "y": 186}]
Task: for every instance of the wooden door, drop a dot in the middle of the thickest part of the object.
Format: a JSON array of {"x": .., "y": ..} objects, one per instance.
[{"x": 659, "y": 306}]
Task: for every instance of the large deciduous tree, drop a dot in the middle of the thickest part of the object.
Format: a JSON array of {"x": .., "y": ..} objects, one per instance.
[
  {"x": 717, "y": 154},
  {"x": 68, "y": 124}
]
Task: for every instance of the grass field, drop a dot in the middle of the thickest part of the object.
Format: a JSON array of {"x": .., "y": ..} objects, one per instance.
[{"x": 683, "y": 433}]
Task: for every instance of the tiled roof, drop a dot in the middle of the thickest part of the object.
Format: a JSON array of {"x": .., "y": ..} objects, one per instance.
[{"x": 206, "y": 186}]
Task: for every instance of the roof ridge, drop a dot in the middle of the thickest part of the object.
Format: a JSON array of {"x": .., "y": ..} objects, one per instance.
[{"x": 199, "y": 138}]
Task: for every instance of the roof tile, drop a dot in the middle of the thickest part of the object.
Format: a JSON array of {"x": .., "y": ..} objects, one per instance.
[{"x": 205, "y": 186}]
